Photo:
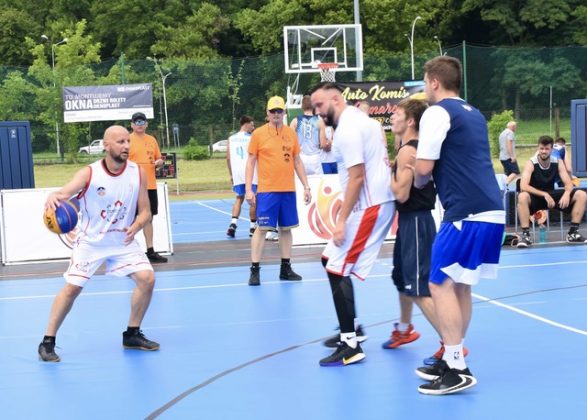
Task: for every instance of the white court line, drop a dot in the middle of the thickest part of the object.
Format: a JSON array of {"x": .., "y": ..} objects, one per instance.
[
  {"x": 482, "y": 298},
  {"x": 218, "y": 210},
  {"x": 530, "y": 315}
]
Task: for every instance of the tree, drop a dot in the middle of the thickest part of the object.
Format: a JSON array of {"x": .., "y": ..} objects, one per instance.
[{"x": 15, "y": 26}]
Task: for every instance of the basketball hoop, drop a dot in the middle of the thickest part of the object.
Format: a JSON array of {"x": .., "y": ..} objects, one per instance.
[{"x": 327, "y": 71}]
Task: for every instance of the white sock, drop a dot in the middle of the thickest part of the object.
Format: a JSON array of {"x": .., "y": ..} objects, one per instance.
[
  {"x": 402, "y": 326},
  {"x": 350, "y": 339},
  {"x": 454, "y": 357},
  {"x": 234, "y": 220}
]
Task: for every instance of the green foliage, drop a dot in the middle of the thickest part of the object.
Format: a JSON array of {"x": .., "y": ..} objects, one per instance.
[
  {"x": 195, "y": 152},
  {"x": 495, "y": 126}
]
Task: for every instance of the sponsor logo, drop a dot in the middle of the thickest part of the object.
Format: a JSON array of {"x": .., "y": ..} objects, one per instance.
[{"x": 323, "y": 212}]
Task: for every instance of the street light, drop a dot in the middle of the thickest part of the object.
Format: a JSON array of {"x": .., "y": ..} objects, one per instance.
[
  {"x": 439, "y": 45},
  {"x": 63, "y": 41},
  {"x": 411, "y": 40},
  {"x": 163, "y": 79}
]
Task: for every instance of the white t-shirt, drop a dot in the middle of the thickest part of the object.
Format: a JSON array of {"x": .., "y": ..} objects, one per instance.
[
  {"x": 239, "y": 145},
  {"x": 357, "y": 140}
]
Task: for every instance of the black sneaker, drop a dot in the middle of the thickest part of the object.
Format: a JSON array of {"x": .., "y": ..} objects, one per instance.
[
  {"x": 344, "y": 355},
  {"x": 47, "y": 352},
  {"x": 231, "y": 230},
  {"x": 432, "y": 372},
  {"x": 334, "y": 341},
  {"x": 286, "y": 273},
  {"x": 251, "y": 231},
  {"x": 525, "y": 240},
  {"x": 575, "y": 238},
  {"x": 138, "y": 341},
  {"x": 155, "y": 258},
  {"x": 255, "y": 278},
  {"x": 451, "y": 381}
]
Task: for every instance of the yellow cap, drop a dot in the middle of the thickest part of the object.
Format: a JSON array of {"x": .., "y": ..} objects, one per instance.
[
  {"x": 421, "y": 96},
  {"x": 275, "y": 102}
]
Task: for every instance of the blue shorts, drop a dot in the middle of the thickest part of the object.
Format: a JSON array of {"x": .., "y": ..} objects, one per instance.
[
  {"x": 329, "y": 167},
  {"x": 275, "y": 208},
  {"x": 466, "y": 251},
  {"x": 510, "y": 167},
  {"x": 239, "y": 189}
]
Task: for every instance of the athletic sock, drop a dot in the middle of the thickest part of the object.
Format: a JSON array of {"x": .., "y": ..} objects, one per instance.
[
  {"x": 132, "y": 330},
  {"x": 49, "y": 339},
  {"x": 402, "y": 326},
  {"x": 253, "y": 223},
  {"x": 255, "y": 265},
  {"x": 234, "y": 220},
  {"x": 574, "y": 227},
  {"x": 150, "y": 250},
  {"x": 285, "y": 261},
  {"x": 453, "y": 356},
  {"x": 350, "y": 339}
]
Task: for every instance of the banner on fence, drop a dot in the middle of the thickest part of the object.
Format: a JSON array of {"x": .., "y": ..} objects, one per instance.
[
  {"x": 106, "y": 103},
  {"x": 382, "y": 96}
]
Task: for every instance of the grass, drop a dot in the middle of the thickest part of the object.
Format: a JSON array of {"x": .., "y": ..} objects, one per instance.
[{"x": 209, "y": 178}]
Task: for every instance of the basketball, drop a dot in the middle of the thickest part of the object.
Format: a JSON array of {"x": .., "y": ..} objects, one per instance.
[{"x": 63, "y": 219}]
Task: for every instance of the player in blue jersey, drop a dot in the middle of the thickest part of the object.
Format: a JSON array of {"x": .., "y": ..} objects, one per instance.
[
  {"x": 310, "y": 130},
  {"x": 454, "y": 150},
  {"x": 236, "y": 160}
]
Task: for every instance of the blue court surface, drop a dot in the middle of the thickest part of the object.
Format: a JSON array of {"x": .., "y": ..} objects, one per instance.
[{"x": 230, "y": 351}]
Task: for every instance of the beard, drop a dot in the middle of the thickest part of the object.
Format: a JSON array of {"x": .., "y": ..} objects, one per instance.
[
  {"x": 329, "y": 117},
  {"x": 120, "y": 158}
]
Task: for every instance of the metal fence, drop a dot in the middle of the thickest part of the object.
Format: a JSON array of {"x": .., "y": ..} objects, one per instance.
[{"x": 205, "y": 99}]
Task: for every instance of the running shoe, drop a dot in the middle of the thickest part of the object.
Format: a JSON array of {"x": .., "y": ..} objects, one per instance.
[
  {"x": 231, "y": 230},
  {"x": 47, "y": 352},
  {"x": 399, "y": 338},
  {"x": 450, "y": 381},
  {"x": 575, "y": 238},
  {"x": 138, "y": 341},
  {"x": 344, "y": 355}
]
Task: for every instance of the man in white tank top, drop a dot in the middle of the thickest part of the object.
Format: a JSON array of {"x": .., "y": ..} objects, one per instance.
[{"x": 110, "y": 191}]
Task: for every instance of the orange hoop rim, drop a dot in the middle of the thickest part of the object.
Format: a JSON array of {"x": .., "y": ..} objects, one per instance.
[{"x": 327, "y": 66}]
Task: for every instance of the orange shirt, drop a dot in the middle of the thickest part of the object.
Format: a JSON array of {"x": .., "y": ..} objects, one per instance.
[
  {"x": 145, "y": 151},
  {"x": 275, "y": 150}
]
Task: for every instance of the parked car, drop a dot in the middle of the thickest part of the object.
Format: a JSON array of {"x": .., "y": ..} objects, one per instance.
[
  {"x": 95, "y": 148},
  {"x": 220, "y": 146}
]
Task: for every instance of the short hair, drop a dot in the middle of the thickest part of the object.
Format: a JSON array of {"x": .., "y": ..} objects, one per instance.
[
  {"x": 447, "y": 70},
  {"x": 245, "y": 119},
  {"x": 560, "y": 140},
  {"x": 326, "y": 86},
  {"x": 545, "y": 140},
  {"x": 414, "y": 108},
  {"x": 307, "y": 103}
]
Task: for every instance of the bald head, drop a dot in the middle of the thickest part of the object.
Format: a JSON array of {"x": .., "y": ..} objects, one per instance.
[
  {"x": 114, "y": 132},
  {"x": 512, "y": 125}
]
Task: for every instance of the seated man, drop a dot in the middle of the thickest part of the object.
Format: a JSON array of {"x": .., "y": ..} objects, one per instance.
[{"x": 537, "y": 192}]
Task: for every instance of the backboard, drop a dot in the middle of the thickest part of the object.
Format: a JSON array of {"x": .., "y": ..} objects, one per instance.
[{"x": 306, "y": 46}]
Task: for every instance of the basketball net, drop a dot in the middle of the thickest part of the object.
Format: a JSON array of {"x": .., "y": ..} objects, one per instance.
[{"x": 328, "y": 72}]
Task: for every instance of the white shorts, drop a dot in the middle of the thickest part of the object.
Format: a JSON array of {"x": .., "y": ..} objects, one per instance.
[
  {"x": 120, "y": 261},
  {"x": 364, "y": 234},
  {"x": 312, "y": 164}
]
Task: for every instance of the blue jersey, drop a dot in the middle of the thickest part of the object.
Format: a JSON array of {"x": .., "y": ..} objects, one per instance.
[
  {"x": 463, "y": 172},
  {"x": 308, "y": 131}
]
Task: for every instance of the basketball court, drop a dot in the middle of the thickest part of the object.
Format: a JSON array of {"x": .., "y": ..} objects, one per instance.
[{"x": 233, "y": 351}]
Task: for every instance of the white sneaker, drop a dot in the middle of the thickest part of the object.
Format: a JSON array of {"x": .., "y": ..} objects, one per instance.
[{"x": 272, "y": 236}]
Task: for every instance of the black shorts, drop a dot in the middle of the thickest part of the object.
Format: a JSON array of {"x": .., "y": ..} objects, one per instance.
[
  {"x": 412, "y": 252},
  {"x": 539, "y": 202},
  {"x": 154, "y": 201},
  {"x": 510, "y": 167}
]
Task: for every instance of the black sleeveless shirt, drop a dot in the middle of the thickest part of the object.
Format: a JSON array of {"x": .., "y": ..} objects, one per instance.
[
  {"x": 543, "y": 178},
  {"x": 420, "y": 199}
]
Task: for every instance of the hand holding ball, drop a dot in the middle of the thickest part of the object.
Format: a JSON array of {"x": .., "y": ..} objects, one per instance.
[{"x": 64, "y": 218}]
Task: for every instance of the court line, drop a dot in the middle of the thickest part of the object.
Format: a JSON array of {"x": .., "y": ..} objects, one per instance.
[
  {"x": 529, "y": 314},
  {"x": 217, "y": 210}
]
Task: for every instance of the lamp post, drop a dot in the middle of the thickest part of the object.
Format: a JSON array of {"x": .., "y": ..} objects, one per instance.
[
  {"x": 411, "y": 40},
  {"x": 63, "y": 41},
  {"x": 163, "y": 79},
  {"x": 439, "y": 45}
]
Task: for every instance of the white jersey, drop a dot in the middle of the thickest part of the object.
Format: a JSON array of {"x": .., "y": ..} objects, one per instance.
[
  {"x": 238, "y": 145},
  {"x": 325, "y": 156},
  {"x": 108, "y": 205},
  {"x": 357, "y": 140}
]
